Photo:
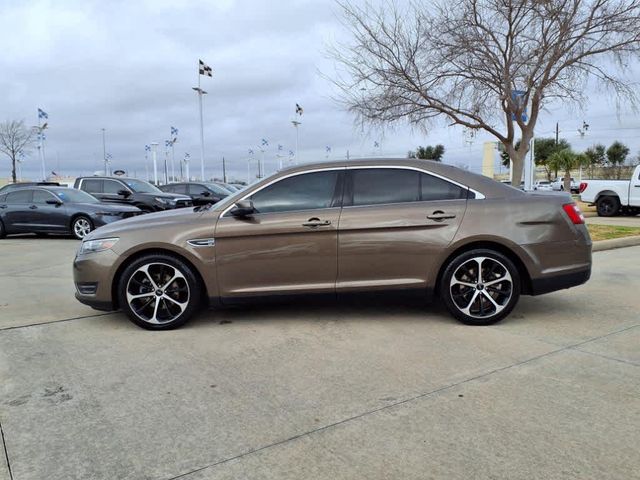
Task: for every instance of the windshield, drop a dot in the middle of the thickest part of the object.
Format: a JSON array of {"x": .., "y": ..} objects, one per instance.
[
  {"x": 219, "y": 189},
  {"x": 72, "y": 195},
  {"x": 141, "y": 186}
]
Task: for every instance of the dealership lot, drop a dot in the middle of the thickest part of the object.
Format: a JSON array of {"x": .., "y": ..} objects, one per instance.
[{"x": 375, "y": 389}]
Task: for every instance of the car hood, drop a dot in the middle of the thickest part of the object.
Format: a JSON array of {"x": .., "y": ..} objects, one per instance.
[
  {"x": 170, "y": 196},
  {"x": 108, "y": 207},
  {"x": 147, "y": 221}
]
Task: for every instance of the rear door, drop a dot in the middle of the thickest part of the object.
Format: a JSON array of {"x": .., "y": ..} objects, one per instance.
[
  {"x": 92, "y": 186},
  {"x": 394, "y": 224},
  {"x": 16, "y": 211}
]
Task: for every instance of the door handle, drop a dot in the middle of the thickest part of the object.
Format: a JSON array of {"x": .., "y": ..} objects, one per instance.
[
  {"x": 440, "y": 215},
  {"x": 316, "y": 222},
  {"x": 3, "y": 206},
  {"x": 33, "y": 207}
]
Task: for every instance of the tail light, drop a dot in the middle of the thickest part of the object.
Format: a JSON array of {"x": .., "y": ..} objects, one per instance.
[
  {"x": 574, "y": 213},
  {"x": 583, "y": 186}
]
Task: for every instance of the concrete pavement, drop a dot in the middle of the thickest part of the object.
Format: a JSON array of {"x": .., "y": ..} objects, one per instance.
[{"x": 384, "y": 390}]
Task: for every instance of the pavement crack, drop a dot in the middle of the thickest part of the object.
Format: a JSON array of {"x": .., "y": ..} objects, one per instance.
[
  {"x": 16, "y": 327},
  {"x": 398, "y": 403},
  {"x": 614, "y": 359},
  {"x": 6, "y": 454}
]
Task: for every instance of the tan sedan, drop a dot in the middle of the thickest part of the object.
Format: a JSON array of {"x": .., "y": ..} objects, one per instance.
[{"x": 337, "y": 228}]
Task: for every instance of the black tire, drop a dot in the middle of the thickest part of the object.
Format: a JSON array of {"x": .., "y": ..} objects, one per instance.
[
  {"x": 471, "y": 304},
  {"x": 81, "y": 226},
  {"x": 3, "y": 232},
  {"x": 608, "y": 206},
  {"x": 159, "y": 311}
]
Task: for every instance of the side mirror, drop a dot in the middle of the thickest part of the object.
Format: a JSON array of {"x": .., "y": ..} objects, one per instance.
[
  {"x": 54, "y": 202},
  {"x": 243, "y": 208},
  {"x": 124, "y": 193},
  {"x": 206, "y": 193}
]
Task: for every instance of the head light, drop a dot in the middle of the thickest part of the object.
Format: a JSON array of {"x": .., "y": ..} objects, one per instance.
[
  {"x": 165, "y": 201},
  {"x": 92, "y": 246}
]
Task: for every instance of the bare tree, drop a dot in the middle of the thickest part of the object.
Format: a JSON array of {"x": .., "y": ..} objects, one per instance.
[
  {"x": 482, "y": 63},
  {"x": 15, "y": 138}
]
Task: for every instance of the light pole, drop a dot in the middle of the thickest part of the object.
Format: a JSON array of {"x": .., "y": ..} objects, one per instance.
[
  {"x": 296, "y": 124},
  {"x": 40, "y": 137},
  {"x": 186, "y": 165},
  {"x": 201, "y": 92},
  {"x": 154, "y": 156},
  {"x": 104, "y": 152}
]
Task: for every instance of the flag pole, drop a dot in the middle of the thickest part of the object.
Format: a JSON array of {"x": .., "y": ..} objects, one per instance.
[
  {"x": 173, "y": 159},
  {"x": 154, "y": 156},
  {"x": 201, "y": 127}
]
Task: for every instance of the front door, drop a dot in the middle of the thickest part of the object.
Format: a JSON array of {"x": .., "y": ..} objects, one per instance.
[
  {"x": 634, "y": 189},
  {"x": 289, "y": 245},
  {"x": 394, "y": 224},
  {"x": 47, "y": 217}
]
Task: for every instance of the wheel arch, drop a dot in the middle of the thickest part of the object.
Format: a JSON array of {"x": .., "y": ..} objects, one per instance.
[
  {"x": 525, "y": 277},
  {"x": 79, "y": 214},
  {"x": 155, "y": 250},
  {"x": 606, "y": 193}
]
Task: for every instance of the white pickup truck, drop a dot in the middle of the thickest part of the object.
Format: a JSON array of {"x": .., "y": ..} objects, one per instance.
[{"x": 613, "y": 197}]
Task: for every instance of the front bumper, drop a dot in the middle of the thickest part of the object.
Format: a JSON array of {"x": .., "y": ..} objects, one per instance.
[{"x": 95, "y": 270}]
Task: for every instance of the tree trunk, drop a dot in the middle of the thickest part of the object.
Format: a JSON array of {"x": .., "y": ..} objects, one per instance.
[
  {"x": 13, "y": 168},
  {"x": 567, "y": 181},
  {"x": 517, "y": 169}
]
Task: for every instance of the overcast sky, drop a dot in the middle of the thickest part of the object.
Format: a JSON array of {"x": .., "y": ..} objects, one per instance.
[{"x": 128, "y": 67}]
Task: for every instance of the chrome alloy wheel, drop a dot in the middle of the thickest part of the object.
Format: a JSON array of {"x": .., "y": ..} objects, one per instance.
[
  {"x": 81, "y": 227},
  {"x": 157, "y": 293},
  {"x": 481, "y": 287}
]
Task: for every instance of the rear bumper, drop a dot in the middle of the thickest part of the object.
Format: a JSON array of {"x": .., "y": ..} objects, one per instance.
[{"x": 561, "y": 281}]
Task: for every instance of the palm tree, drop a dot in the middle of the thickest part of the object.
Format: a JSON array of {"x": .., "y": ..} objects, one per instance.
[{"x": 566, "y": 160}]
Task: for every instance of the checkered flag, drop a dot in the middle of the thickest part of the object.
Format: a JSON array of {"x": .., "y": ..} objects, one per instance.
[
  {"x": 147, "y": 148},
  {"x": 174, "y": 132},
  {"x": 43, "y": 114},
  {"x": 205, "y": 69},
  {"x": 299, "y": 110}
]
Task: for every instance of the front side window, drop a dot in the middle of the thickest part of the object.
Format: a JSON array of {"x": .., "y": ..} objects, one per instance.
[
  {"x": 141, "y": 186},
  {"x": 40, "y": 196},
  {"x": 111, "y": 186},
  {"x": 178, "y": 188},
  {"x": 307, "y": 191},
  {"x": 375, "y": 186},
  {"x": 19, "y": 196}
]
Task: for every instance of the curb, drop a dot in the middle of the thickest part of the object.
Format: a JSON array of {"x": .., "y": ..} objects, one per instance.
[{"x": 603, "y": 245}]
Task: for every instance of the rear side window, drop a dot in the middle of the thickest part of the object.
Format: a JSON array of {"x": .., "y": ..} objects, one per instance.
[
  {"x": 19, "y": 196},
  {"x": 182, "y": 188},
  {"x": 307, "y": 191},
  {"x": 92, "y": 186},
  {"x": 375, "y": 186},
  {"x": 434, "y": 188}
]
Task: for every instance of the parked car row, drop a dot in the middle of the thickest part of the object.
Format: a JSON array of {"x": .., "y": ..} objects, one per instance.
[{"x": 48, "y": 207}]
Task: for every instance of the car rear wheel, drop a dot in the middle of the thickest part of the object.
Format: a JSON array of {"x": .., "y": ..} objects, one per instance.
[
  {"x": 608, "y": 206},
  {"x": 159, "y": 292},
  {"x": 3, "y": 232},
  {"x": 480, "y": 287},
  {"x": 81, "y": 227}
]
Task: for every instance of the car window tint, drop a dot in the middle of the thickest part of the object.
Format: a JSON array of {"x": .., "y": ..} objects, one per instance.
[
  {"x": 111, "y": 186},
  {"x": 434, "y": 188},
  {"x": 19, "y": 196},
  {"x": 182, "y": 188},
  {"x": 301, "y": 192},
  {"x": 372, "y": 186},
  {"x": 40, "y": 196},
  {"x": 92, "y": 186}
]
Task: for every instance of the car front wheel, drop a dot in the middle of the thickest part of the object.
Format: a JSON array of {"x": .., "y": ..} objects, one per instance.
[
  {"x": 480, "y": 287},
  {"x": 159, "y": 292},
  {"x": 81, "y": 227},
  {"x": 608, "y": 206}
]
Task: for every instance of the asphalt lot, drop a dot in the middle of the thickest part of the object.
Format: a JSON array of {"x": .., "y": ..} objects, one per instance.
[{"x": 383, "y": 390}]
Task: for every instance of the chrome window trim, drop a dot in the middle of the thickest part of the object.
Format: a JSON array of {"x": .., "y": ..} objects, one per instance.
[{"x": 479, "y": 195}]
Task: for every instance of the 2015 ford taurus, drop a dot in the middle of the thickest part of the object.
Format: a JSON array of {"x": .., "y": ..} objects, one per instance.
[{"x": 333, "y": 228}]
